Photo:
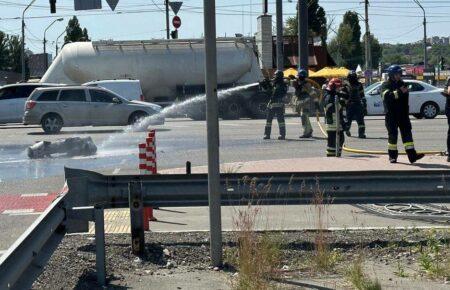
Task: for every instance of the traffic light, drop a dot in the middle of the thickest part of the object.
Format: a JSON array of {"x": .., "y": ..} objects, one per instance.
[
  {"x": 174, "y": 34},
  {"x": 52, "y": 6}
]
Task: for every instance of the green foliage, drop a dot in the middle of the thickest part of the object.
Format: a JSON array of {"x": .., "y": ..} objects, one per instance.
[
  {"x": 412, "y": 53},
  {"x": 346, "y": 48},
  {"x": 74, "y": 32},
  {"x": 10, "y": 52},
  {"x": 317, "y": 22},
  {"x": 375, "y": 48},
  {"x": 15, "y": 53}
]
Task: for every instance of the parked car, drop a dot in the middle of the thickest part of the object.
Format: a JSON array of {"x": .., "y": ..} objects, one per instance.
[
  {"x": 425, "y": 101},
  {"x": 13, "y": 98},
  {"x": 55, "y": 108},
  {"x": 126, "y": 88}
]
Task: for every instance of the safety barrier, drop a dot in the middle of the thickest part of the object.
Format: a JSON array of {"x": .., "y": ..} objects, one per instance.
[
  {"x": 89, "y": 193},
  {"x": 148, "y": 166}
]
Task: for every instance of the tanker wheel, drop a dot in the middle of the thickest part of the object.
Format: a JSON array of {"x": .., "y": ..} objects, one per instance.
[
  {"x": 231, "y": 110},
  {"x": 258, "y": 109}
]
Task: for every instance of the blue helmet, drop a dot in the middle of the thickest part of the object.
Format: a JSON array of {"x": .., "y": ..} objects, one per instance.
[
  {"x": 302, "y": 73},
  {"x": 393, "y": 70}
]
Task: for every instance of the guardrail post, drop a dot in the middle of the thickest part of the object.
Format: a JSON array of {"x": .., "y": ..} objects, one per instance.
[
  {"x": 100, "y": 245},
  {"x": 136, "y": 217}
]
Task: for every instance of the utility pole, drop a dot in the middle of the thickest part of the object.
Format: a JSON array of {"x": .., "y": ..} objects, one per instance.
[
  {"x": 280, "y": 58},
  {"x": 167, "y": 19},
  {"x": 303, "y": 49},
  {"x": 23, "y": 40},
  {"x": 212, "y": 127},
  {"x": 368, "y": 47},
  {"x": 425, "y": 52}
]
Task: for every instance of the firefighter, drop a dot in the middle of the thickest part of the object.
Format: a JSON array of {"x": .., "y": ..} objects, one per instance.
[
  {"x": 395, "y": 97},
  {"x": 275, "y": 107},
  {"x": 330, "y": 94},
  {"x": 304, "y": 94},
  {"x": 356, "y": 106}
]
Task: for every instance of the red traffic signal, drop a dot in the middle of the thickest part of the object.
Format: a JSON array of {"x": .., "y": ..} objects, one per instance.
[{"x": 176, "y": 22}]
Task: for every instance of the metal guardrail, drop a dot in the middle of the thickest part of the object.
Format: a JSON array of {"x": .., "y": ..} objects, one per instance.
[
  {"x": 89, "y": 193},
  {"x": 27, "y": 257}
]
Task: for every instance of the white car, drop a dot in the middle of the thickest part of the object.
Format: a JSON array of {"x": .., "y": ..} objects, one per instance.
[
  {"x": 128, "y": 89},
  {"x": 13, "y": 98},
  {"x": 425, "y": 101}
]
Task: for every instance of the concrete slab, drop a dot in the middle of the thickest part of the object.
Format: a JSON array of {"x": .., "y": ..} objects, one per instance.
[{"x": 315, "y": 164}]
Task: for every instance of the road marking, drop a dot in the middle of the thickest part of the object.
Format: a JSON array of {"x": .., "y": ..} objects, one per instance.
[
  {"x": 33, "y": 194},
  {"x": 232, "y": 125},
  {"x": 20, "y": 211}
]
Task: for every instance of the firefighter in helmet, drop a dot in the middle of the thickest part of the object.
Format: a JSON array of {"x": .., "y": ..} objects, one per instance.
[
  {"x": 356, "y": 105},
  {"x": 276, "y": 106},
  {"x": 395, "y": 95},
  {"x": 332, "y": 92},
  {"x": 305, "y": 93}
]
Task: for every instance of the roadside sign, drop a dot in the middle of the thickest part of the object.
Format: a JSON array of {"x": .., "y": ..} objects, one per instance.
[
  {"x": 176, "y": 22},
  {"x": 112, "y": 4},
  {"x": 87, "y": 4},
  {"x": 175, "y": 5}
]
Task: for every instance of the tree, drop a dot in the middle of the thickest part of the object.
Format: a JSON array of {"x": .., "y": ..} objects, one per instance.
[
  {"x": 375, "y": 48},
  {"x": 346, "y": 47},
  {"x": 74, "y": 31},
  {"x": 317, "y": 22},
  {"x": 4, "y": 52},
  {"x": 15, "y": 53}
]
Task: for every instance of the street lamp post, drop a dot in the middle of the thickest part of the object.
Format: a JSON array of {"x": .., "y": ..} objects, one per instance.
[
  {"x": 425, "y": 52},
  {"x": 23, "y": 40},
  {"x": 45, "y": 40},
  {"x": 57, "y": 39}
]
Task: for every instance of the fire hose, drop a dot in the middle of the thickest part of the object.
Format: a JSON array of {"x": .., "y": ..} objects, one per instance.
[{"x": 362, "y": 151}]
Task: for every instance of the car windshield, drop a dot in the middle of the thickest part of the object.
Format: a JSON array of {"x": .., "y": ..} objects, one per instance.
[{"x": 371, "y": 87}]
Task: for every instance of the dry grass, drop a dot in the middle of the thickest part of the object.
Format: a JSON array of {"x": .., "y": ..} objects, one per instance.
[
  {"x": 323, "y": 258},
  {"x": 258, "y": 255},
  {"x": 359, "y": 280}
]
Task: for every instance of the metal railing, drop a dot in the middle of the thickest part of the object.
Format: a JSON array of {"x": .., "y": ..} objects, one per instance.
[{"x": 89, "y": 193}]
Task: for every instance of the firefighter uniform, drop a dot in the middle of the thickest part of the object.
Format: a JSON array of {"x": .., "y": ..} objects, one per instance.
[
  {"x": 395, "y": 97},
  {"x": 356, "y": 105},
  {"x": 305, "y": 93},
  {"x": 330, "y": 95},
  {"x": 276, "y": 106}
]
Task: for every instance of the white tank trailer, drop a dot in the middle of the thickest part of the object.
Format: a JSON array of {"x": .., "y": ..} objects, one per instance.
[{"x": 169, "y": 70}]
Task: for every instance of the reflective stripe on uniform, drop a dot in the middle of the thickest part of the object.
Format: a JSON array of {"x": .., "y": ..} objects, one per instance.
[
  {"x": 392, "y": 146},
  {"x": 409, "y": 145},
  {"x": 384, "y": 93},
  {"x": 361, "y": 126},
  {"x": 282, "y": 124},
  {"x": 328, "y": 106},
  {"x": 396, "y": 94}
]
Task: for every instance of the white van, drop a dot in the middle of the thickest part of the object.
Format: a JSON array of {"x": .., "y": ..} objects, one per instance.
[{"x": 126, "y": 88}]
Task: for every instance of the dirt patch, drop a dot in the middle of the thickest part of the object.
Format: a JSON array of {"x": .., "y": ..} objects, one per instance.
[{"x": 184, "y": 256}]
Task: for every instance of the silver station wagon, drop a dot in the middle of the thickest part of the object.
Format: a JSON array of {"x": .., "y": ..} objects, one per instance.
[{"x": 58, "y": 107}]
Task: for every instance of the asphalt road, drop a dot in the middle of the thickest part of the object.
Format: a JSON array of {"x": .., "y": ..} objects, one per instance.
[{"x": 178, "y": 141}]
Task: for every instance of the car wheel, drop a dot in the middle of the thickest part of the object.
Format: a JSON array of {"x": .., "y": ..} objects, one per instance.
[
  {"x": 52, "y": 123},
  {"x": 429, "y": 110},
  {"x": 137, "y": 117},
  {"x": 258, "y": 108},
  {"x": 418, "y": 116},
  {"x": 232, "y": 110}
]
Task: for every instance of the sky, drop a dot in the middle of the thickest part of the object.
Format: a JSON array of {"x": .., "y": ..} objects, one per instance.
[{"x": 390, "y": 21}]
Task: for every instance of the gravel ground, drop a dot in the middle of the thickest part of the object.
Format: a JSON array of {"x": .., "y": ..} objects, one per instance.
[{"x": 73, "y": 264}]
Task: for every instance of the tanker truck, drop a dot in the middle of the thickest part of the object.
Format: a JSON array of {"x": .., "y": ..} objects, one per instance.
[{"x": 170, "y": 71}]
